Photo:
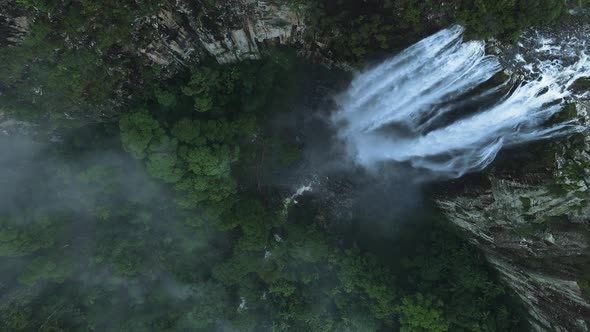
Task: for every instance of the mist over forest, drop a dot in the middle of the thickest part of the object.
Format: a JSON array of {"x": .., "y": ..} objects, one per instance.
[{"x": 154, "y": 176}]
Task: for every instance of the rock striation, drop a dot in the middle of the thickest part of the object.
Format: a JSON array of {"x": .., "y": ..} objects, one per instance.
[
  {"x": 531, "y": 214},
  {"x": 229, "y": 31},
  {"x": 14, "y": 24}
]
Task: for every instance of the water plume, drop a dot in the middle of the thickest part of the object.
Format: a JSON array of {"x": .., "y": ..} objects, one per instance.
[{"x": 429, "y": 107}]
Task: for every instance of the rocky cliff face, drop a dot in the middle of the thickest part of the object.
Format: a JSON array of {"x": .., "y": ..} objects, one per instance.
[
  {"x": 536, "y": 239},
  {"x": 533, "y": 222},
  {"x": 14, "y": 24},
  {"x": 184, "y": 30},
  {"x": 230, "y": 31}
]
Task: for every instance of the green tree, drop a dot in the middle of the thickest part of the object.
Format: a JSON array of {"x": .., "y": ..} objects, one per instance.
[
  {"x": 165, "y": 166},
  {"x": 422, "y": 313},
  {"x": 211, "y": 87},
  {"x": 22, "y": 235},
  {"x": 209, "y": 302},
  {"x": 165, "y": 98},
  {"x": 188, "y": 131},
  {"x": 197, "y": 157},
  {"x": 138, "y": 130},
  {"x": 16, "y": 317},
  {"x": 44, "y": 268}
]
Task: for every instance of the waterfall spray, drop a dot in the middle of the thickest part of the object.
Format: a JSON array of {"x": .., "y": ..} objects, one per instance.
[{"x": 396, "y": 111}]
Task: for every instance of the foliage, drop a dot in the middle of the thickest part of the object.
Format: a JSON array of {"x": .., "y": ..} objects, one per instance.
[
  {"x": 195, "y": 156},
  {"x": 419, "y": 313},
  {"x": 26, "y": 233},
  {"x": 121, "y": 244},
  {"x": 138, "y": 129},
  {"x": 43, "y": 268},
  {"x": 107, "y": 22},
  {"x": 449, "y": 270},
  {"x": 227, "y": 89},
  {"x": 354, "y": 30},
  {"x": 168, "y": 237},
  {"x": 165, "y": 98},
  {"x": 506, "y": 18},
  {"x": 211, "y": 87},
  {"x": 78, "y": 56},
  {"x": 195, "y": 150}
]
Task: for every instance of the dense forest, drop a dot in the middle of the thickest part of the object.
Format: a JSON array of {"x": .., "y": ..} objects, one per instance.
[{"x": 147, "y": 199}]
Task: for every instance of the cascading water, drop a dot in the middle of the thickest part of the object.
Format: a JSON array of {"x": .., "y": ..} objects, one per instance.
[{"x": 412, "y": 108}]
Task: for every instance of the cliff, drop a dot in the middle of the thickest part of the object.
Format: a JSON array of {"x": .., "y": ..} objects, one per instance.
[
  {"x": 530, "y": 216},
  {"x": 228, "y": 31},
  {"x": 14, "y": 24}
]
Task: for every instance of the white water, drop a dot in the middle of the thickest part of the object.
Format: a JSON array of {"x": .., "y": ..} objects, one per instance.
[
  {"x": 393, "y": 111},
  {"x": 287, "y": 202}
]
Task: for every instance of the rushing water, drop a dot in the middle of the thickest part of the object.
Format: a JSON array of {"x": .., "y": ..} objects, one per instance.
[{"x": 427, "y": 107}]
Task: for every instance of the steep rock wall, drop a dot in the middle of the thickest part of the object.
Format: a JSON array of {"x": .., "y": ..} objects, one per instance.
[
  {"x": 231, "y": 31},
  {"x": 14, "y": 24},
  {"x": 536, "y": 239},
  {"x": 531, "y": 214}
]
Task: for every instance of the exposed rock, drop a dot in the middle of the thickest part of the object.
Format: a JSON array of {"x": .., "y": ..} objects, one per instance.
[
  {"x": 533, "y": 225},
  {"x": 175, "y": 43},
  {"x": 14, "y": 25},
  {"x": 232, "y": 31},
  {"x": 536, "y": 240}
]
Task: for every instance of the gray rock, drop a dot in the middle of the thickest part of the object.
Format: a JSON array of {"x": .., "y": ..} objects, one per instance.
[
  {"x": 14, "y": 24},
  {"x": 534, "y": 226},
  {"x": 232, "y": 31}
]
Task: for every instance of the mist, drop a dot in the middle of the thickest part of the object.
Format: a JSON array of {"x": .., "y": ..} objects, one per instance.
[
  {"x": 274, "y": 194},
  {"x": 81, "y": 210}
]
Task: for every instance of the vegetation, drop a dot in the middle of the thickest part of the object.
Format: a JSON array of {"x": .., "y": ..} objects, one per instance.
[
  {"x": 507, "y": 18},
  {"x": 82, "y": 55},
  {"x": 71, "y": 60},
  {"x": 113, "y": 251},
  {"x": 168, "y": 238},
  {"x": 355, "y": 30},
  {"x": 158, "y": 222}
]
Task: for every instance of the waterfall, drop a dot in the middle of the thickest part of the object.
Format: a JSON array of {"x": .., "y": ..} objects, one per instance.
[{"x": 432, "y": 106}]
